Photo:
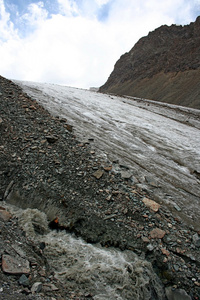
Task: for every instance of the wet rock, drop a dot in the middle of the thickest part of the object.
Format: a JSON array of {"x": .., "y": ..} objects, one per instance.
[
  {"x": 151, "y": 204},
  {"x": 15, "y": 265},
  {"x": 98, "y": 174},
  {"x": 176, "y": 294},
  {"x": 37, "y": 287},
  {"x": 157, "y": 233}
]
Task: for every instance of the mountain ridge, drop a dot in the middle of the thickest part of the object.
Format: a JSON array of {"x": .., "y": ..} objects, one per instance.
[{"x": 162, "y": 66}]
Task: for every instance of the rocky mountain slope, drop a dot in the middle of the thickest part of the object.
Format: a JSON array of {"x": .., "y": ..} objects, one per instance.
[
  {"x": 46, "y": 172},
  {"x": 163, "y": 66}
]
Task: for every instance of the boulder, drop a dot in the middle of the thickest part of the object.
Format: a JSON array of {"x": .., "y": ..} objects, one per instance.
[{"x": 15, "y": 265}]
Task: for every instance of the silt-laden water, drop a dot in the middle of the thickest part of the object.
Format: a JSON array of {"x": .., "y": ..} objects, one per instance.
[{"x": 91, "y": 269}]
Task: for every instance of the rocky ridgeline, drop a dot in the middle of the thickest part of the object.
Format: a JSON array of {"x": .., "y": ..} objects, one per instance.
[
  {"x": 43, "y": 166},
  {"x": 162, "y": 66}
]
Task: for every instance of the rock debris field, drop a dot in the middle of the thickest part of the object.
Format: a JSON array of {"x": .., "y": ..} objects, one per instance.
[{"x": 102, "y": 210}]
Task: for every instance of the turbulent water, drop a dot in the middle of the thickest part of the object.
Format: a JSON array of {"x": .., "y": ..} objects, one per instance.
[{"x": 91, "y": 269}]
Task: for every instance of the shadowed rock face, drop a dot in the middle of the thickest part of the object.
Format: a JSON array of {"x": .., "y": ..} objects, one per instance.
[{"x": 163, "y": 66}]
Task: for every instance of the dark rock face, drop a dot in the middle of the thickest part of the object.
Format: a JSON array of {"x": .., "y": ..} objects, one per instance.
[{"x": 164, "y": 66}]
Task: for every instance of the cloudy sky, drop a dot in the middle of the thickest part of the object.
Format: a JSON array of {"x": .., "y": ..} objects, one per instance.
[{"x": 77, "y": 42}]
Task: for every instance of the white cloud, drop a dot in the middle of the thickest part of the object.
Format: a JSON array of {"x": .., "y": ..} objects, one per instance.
[
  {"x": 68, "y": 7},
  {"x": 7, "y": 29},
  {"x": 102, "y": 2},
  {"x": 74, "y": 46},
  {"x": 36, "y": 14}
]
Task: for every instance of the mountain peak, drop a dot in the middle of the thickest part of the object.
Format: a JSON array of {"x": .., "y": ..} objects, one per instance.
[{"x": 162, "y": 66}]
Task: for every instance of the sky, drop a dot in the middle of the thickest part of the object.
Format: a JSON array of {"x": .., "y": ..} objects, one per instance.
[{"x": 77, "y": 42}]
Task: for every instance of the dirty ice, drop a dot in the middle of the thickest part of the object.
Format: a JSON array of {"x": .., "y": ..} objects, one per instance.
[{"x": 159, "y": 143}]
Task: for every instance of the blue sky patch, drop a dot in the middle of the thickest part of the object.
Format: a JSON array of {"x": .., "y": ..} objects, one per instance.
[
  {"x": 18, "y": 8},
  {"x": 103, "y": 12}
]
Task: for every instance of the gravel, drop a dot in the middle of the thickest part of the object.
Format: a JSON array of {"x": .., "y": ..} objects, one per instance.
[{"x": 43, "y": 166}]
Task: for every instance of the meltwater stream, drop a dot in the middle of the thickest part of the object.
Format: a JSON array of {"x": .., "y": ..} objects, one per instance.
[{"x": 83, "y": 267}]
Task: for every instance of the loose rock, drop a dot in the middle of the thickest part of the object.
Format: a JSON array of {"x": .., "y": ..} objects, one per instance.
[
  {"x": 151, "y": 204},
  {"x": 23, "y": 280},
  {"x": 37, "y": 287},
  {"x": 176, "y": 294},
  {"x": 196, "y": 240},
  {"x": 98, "y": 174},
  {"x": 177, "y": 207},
  {"x": 109, "y": 211},
  {"x": 51, "y": 139},
  {"x": 126, "y": 174},
  {"x": 15, "y": 265},
  {"x": 157, "y": 233},
  {"x": 5, "y": 215}
]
